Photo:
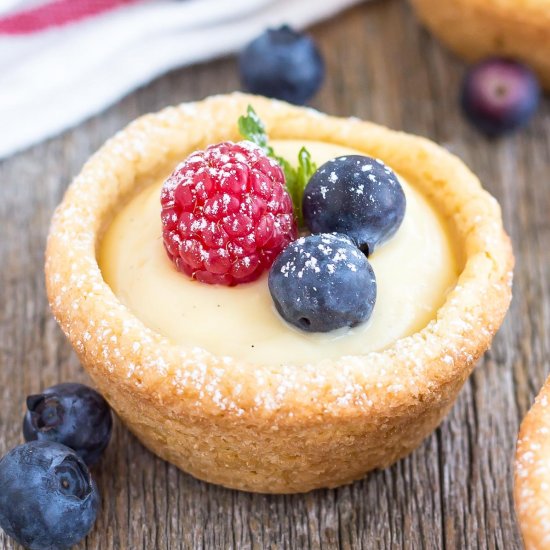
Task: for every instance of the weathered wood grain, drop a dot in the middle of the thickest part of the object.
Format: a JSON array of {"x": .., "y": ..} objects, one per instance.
[{"x": 455, "y": 490}]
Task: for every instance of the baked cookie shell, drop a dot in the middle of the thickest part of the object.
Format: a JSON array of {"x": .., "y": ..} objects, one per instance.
[
  {"x": 532, "y": 475},
  {"x": 475, "y": 29},
  {"x": 275, "y": 429}
]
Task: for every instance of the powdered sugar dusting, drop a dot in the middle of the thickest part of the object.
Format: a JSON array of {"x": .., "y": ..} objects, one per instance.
[{"x": 331, "y": 249}]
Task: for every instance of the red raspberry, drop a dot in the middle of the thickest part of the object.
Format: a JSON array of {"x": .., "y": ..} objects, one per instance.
[{"x": 226, "y": 214}]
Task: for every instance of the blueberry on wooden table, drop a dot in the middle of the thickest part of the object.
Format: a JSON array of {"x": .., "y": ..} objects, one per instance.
[
  {"x": 74, "y": 415},
  {"x": 48, "y": 499},
  {"x": 284, "y": 64},
  {"x": 499, "y": 96}
]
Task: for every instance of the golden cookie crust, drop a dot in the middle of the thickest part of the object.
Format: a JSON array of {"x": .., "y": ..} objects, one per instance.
[
  {"x": 475, "y": 29},
  {"x": 267, "y": 428},
  {"x": 532, "y": 475}
]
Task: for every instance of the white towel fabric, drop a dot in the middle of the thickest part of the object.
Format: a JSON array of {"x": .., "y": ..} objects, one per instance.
[{"x": 53, "y": 76}]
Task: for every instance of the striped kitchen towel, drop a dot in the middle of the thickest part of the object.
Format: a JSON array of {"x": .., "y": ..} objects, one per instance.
[{"x": 63, "y": 60}]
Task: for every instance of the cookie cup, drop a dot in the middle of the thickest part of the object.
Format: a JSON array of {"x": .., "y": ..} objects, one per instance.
[
  {"x": 265, "y": 428},
  {"x": 532, "y": 474},
  {"x": 475, "y": 29}
]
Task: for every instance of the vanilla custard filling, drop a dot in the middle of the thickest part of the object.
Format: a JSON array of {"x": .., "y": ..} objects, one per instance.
[{"x": 414, "y": 272}]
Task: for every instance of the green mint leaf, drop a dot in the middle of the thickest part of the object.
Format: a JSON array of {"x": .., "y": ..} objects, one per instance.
[
  {"x": 252, "y": 128},
  {"x": 288, "y": 169},
  {"x": 306, "y": 169}
]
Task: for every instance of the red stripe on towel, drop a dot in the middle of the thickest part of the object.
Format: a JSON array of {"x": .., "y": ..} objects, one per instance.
[{"x": 54, "y": 14}]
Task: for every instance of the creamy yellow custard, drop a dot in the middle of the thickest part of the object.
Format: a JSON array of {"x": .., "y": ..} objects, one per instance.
[{"x": 414, "y": 272}]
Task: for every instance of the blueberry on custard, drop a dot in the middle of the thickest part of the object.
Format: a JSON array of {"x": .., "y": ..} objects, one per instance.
[
  {"x": 355, "y": 195},
  {"x": 323, "y": 282}
]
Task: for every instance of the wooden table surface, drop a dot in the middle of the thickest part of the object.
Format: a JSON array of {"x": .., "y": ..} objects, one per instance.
[{"x": 455, "y": 491}]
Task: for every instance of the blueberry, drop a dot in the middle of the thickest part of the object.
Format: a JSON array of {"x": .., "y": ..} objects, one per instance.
[
  {"x": 355, "y": 195},
  {"x": 72, "y": 414},
  {"x": 284, "y": 64},
  {"x": 499, "y": 96},
  {"x": 323, "y": 282},
  {"x": 48, "y": 499}
]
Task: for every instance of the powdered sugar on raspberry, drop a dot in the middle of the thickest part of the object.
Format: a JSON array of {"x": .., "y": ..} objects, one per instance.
[{"x": 226, "y": 213}]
